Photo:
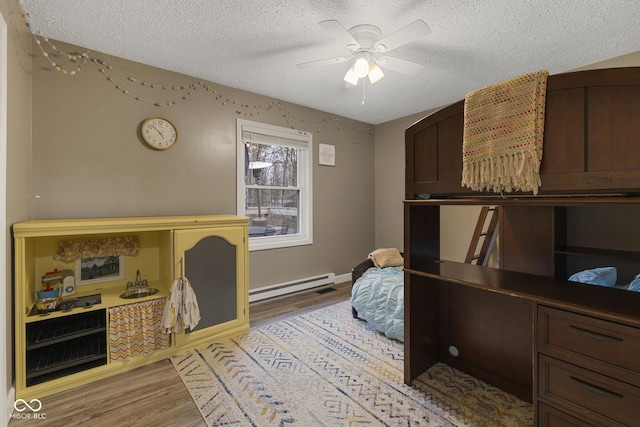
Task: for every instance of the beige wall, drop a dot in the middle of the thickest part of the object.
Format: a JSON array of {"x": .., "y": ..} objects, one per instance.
[
  {"x": 629, "y": 60},
  {"x": 18, "y": 173},
  {"x": 88, "y": 160}
]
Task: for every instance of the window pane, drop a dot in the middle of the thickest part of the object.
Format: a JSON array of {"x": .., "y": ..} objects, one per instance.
[
  {"x": 272, "y": 212},
  {"x": 275, "y": 184},
  {"x": 271, "y": 165}
]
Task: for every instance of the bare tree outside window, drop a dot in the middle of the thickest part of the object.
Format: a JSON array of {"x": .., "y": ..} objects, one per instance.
[
  {"x": 272, "y": 199},
  {"x": 276, "y": 181}
]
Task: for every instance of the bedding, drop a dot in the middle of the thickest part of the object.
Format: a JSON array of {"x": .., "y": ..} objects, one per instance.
[
  {"x": 386, "y": 257},
  {"x": 377, "y": 296},
  {"x": 602, "y": 276},
  {"x": 605, "y": 276}
]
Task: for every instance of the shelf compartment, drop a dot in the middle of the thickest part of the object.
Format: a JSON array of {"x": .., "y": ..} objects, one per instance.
[
  {"x": 573, "y": 259},
  {"x": 49, "y": 332},
  {"x": 65, "y": 345},
  {"x": 62, "y": 357}
]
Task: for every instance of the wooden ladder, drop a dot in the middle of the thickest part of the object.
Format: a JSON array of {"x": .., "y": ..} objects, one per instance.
[{"x": 488, "y": 235}]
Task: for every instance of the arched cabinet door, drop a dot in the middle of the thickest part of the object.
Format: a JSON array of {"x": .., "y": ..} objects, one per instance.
[{"x": 214, "y": 262}]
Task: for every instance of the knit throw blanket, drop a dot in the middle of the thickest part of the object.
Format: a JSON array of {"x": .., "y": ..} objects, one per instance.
[{"x": 503, "y": 131}]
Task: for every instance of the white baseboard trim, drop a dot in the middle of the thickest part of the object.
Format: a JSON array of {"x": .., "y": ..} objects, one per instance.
[
  {"x": 341, "y": 278},
  {"x": 280, "y": 289}
]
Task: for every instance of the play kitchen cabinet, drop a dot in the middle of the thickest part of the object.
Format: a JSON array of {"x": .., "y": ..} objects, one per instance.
[{"x": 77, "y": 344}]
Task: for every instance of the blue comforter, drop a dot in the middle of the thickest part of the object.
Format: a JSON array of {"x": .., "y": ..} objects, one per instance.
[{"x": 378, "y": 295}]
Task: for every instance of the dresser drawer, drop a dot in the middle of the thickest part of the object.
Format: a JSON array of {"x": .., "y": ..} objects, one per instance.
[
  {"x": 581, "y": 390},
  {"x": 549, "y": 417},
  {"x": 598, "y": 339}
]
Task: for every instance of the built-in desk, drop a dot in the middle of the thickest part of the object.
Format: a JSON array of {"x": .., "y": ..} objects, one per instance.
[{"x": 568, "y": 347}]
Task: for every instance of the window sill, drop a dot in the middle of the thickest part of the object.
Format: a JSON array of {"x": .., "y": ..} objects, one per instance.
[{"x": 276, "y": 242}]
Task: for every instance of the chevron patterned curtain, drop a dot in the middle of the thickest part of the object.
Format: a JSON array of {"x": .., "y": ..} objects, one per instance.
[{"x": 136, "y": 329}]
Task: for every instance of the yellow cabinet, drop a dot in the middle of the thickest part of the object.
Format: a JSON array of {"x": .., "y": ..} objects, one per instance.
[{"x": 211, "y": 251}]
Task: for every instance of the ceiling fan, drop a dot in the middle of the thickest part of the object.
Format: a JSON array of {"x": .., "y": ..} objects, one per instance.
[{"x": 369, "y": 51}]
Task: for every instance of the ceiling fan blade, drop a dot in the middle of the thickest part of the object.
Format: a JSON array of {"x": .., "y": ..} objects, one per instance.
[
  {"x": 338, "y": 32},
  {"x": 328, "y": 61},
  {"x": 404, "y": 35},
  {"x": 400, "y": 65}
]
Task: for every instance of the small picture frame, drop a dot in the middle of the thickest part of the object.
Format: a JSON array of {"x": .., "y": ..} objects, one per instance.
[
  {"x": 96, "y": 270},
  {"x": 327, "y": 154}
]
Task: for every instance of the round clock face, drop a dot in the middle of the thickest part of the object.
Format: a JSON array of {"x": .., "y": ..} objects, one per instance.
[{"x": 158, "y": 133}]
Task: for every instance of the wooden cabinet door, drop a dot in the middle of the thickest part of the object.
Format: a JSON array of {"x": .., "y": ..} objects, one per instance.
[
  {"x": 425, "y": 152},
  {"x": 450, "y": 136},
  {"x": 434, "y": 154},
  {"x": 614, "y": 128},
  {"x": 213, "y": 260},
  {"x": 563, "y": 148}
]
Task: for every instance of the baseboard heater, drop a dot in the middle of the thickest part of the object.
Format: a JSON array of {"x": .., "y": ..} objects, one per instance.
[{"x": 280, "y": 289}]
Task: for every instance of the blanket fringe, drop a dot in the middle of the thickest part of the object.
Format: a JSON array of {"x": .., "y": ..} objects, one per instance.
[{"x": 511, "y": 172}]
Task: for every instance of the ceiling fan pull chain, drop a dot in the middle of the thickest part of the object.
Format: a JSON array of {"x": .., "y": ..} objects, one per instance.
[{"x": 364, "y": 91}]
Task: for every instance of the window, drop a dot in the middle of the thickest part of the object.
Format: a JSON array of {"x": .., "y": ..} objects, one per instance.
[{"x": 274, "y": 184}]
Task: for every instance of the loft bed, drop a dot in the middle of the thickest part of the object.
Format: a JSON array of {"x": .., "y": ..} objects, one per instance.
[{"x": 569, "y": 348}]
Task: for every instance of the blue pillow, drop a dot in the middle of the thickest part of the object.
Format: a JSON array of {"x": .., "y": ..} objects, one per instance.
[
  {"x": 635, "y": 284},
  {"x": 603, "y": 276}
]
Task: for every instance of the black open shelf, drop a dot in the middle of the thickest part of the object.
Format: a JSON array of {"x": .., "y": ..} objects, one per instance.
[
  {"x": 61, "y": 346},
  {"x": 65, "y": 328},
  {"x": 62, "y": 357}
]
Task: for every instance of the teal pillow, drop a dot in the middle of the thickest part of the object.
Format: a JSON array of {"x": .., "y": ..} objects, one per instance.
[{"x": 602, "y": 276}]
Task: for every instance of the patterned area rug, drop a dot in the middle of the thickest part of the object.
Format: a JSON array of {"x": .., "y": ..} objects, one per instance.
[{"x": 325, "y": 368}]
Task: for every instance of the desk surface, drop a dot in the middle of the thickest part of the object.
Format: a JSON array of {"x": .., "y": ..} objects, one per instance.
[{"x": 619, "y": 303}]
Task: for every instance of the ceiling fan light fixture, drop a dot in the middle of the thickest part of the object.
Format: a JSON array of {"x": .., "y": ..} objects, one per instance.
[
  {"x": 375, "y": 74},
  {"x": 351, "y": 77},
  {"x": 365, "y": 44},
  {"x": 361, "y": 66}
]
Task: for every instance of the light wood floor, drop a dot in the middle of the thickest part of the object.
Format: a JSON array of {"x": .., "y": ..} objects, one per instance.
[{"x": 154, "y": 395}]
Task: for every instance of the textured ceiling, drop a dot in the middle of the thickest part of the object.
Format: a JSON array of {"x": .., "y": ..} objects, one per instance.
[{"x": 255, "y": 45}]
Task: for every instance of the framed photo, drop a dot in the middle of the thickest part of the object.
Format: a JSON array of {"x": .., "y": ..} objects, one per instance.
[{"x": 96, "y": 270}]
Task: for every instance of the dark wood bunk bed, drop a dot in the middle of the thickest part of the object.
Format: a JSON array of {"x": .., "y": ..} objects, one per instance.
[{"x": 570, "y": 348}]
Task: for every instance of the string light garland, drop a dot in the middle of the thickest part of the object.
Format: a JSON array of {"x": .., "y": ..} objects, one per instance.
[{"x": 126, "y": 83}]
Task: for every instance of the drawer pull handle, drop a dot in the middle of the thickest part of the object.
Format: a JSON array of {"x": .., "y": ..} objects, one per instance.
[
  {"x": 595, "y": 335},
  {"x": 595, "y": 389}
]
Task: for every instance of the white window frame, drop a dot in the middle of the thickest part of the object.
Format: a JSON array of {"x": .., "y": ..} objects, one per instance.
[{"x": 303, "y": 140}]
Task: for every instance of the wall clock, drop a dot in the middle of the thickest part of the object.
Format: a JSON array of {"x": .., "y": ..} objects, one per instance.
[{"x": 158, "y": 133}]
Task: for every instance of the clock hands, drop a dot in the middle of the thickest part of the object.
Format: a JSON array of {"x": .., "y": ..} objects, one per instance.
[{"x": 161, "y": 135}]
